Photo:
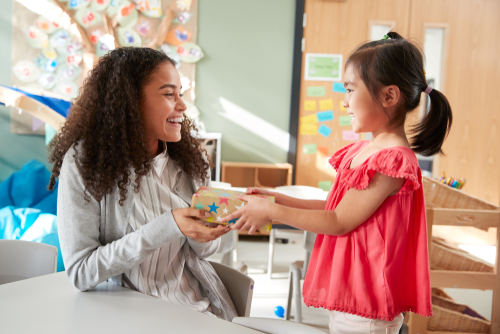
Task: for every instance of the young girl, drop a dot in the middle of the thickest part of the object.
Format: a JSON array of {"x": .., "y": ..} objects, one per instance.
[{"x": 370, "y": 258}]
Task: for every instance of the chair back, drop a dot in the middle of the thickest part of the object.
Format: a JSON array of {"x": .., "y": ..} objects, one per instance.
[
  {"x": 309, "y": 239},
  {"x": 276, "y": 326},
  {"x": 239, "y": 287},
  {"x": 21, "y": 259}
]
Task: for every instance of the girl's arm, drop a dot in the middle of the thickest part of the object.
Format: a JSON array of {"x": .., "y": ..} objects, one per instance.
[
  {"x": 289, "y": 201},
  {"x": 353, "y": 210}
]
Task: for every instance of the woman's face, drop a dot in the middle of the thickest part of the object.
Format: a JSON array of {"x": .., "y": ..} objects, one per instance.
[{"x": 162, "y": 106}]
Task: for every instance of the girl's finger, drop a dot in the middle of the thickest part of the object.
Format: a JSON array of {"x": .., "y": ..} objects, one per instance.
[
  {"x": 252, "y": 230},
  {"x": 238, "y": 224},
  {"x": 230, "y": 217}
]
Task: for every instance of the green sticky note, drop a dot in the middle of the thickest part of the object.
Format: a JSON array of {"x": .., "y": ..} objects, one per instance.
[
  {"x": 316, "y": 91},
  {"x": 325, "y": 185},
  {"x": 345, "y": 120},
  {"x": 323, "y": 67},
  {"x": 309, "y": 148}
]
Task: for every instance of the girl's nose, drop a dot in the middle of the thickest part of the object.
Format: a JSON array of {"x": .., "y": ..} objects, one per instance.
[{"x": 344, "y": 103}]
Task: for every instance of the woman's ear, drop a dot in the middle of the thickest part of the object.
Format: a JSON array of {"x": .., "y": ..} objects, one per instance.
[{"x": 390, "y": 96}]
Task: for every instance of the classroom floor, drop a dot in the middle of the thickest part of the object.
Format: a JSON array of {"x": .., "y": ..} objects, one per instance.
[{"x": 269, "y": 293}]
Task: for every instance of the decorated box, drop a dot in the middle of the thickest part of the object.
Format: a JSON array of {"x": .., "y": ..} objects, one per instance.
[{"x": 220, "y": 203}]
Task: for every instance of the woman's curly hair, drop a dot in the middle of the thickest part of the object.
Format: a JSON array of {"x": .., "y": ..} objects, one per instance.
[{"x": 106, "y": 121}]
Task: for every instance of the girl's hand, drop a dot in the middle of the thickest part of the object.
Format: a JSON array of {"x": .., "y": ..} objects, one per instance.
[
  {"x": 185, "y": 219},
  {"x": 254, "y": 214},
  {"x": 258, "y": 191}
]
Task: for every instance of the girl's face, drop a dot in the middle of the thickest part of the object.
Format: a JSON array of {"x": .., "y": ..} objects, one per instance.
[
  {"x": 367, "y": 115},
  {"x": 162, "y": 105}
]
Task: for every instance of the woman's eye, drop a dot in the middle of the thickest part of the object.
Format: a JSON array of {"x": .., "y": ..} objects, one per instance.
[{"x": 169, "y": 94}]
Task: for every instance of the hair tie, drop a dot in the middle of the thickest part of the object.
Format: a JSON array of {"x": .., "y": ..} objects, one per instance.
[
  {"x": 428, "y": 90},
  {"x": 385, "y": 37}
]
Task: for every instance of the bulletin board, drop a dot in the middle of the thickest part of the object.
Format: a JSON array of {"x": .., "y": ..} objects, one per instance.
[{"x": 56, "y": 43}]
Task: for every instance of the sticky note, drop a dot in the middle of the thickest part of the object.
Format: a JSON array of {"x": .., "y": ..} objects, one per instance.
[
  {"x": 309, "y": 148},
  {"x": 325, "y": 185},
  {"x": 349, "y": 135},
  {"x": 342, "y": 107},
  {"x": 325, "y": 116},
  {"x": 326, "y": 105},
  {"x": 311, "y": 119},
  {"x": 324, "y": 130},
  {"x": 345, "y": 120},
  {"x": 323, "y": 150},
  {"x": 308, "y": 129},
  {"x": 316, "y": 91},
  {"x": 338, "y": 87},
  {"x": 310, "y": 105}
]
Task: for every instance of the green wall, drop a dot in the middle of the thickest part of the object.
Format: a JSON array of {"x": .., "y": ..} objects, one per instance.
[
  {"x": 245, "y": 75},
  {"x": 247, "y": 69},
  {"x": 15, "y": 150}
]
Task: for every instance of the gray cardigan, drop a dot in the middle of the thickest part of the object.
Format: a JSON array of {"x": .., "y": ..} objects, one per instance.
[{"x": 95, "y": 246}]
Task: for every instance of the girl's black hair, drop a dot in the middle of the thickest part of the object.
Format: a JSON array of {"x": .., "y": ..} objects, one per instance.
[{"x": 395, "y": 61}]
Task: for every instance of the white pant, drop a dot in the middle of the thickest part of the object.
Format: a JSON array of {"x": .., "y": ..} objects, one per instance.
[{"x": 345, "y": 323}]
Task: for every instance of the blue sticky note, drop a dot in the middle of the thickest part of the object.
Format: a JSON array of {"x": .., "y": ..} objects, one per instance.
[
  {"x": 339, "y": 87},
  {"x": 325, "y": 116},
  {"x": 324, "y": 130}
]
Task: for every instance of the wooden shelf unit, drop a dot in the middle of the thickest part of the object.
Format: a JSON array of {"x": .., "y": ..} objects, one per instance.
[
  {"x": 246, "y": 174},
  {"x": 448, "y": 206}
]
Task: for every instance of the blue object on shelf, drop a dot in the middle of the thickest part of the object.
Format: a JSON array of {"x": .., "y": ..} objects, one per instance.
[{"x": 279, "y": 311}]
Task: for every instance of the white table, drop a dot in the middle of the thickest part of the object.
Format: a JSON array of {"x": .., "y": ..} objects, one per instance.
[{"x": 51, "y": 305}]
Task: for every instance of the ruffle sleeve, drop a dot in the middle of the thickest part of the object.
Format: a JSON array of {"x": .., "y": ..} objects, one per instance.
[
  {"x": 336, "y": 159},
  {"x": 394, "y": 163}
]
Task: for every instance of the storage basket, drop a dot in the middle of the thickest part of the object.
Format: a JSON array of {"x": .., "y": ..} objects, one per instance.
[{"x": 445, "y": 256}]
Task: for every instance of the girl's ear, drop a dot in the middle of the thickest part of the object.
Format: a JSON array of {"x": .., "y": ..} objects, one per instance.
[{"x": 390, "y": 96}]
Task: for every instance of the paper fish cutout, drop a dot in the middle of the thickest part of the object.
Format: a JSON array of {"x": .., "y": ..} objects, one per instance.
[
  {"x": 26, "y": 71},
  {"x": 127, "y": 15},
  {"x": 189, "y": 52},
  {"x": 129, "y": 37},
  {"x": 177, "y": 36},
  {"x": 144, "y": 27},
  {"x": 60, "y": 39}
]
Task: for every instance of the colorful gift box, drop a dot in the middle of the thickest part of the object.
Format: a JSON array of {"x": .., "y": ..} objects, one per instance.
[{"x": 221, "y": 203}]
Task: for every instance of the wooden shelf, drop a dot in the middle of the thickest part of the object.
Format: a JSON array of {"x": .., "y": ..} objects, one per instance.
[{"x": 246, "y": 174}]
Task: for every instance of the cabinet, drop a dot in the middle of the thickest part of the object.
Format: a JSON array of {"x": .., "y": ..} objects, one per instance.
[{"x": 245, "y": 174}]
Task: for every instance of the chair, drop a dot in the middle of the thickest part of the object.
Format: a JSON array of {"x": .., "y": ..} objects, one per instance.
[
  {"x": 276, "y": 326},
  {"x": 298, "y": 272},
  {"x": 239, "y": 287},
  {"x": 21, "y": 259}
]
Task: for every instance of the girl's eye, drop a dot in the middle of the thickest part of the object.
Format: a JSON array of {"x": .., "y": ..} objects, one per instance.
[
  {"x": 349, "y": 90},
  {"x": 181, "y": 95}
]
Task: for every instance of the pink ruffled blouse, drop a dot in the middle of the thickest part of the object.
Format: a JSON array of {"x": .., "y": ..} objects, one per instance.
[{"x": 381, "y": 268}]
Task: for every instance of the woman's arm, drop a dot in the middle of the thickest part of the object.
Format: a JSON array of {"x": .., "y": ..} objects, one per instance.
[{"x": 353, "y": 210}]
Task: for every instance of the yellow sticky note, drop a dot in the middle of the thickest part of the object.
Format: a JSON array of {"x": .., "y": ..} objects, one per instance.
[
  {"x": 311, "y": 119},
  {"x": 310, "y": 105},
  {"x": 342, "y": 107},
  {"x": 308, "y": 129},
  {"x": 326, "y": 105}
]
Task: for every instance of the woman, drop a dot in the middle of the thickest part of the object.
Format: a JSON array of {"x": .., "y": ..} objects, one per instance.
[{"x": 128, "y": 165}]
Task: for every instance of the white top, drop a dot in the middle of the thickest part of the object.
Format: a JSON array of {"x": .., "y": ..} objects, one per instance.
[{"x": 163, "y": 274}]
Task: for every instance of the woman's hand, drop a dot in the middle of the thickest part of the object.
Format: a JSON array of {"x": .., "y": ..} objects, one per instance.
[
  {"x": 254, "y": 214},
  {"x": 186, "y": 220}
]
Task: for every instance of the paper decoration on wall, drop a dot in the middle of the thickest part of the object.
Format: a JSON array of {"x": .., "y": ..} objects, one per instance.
[
  {"x": 323, "y": 150},
  {"x": 129, "y": 37},
  {"x": 77, "y": 4},
  {"x": 324, "y": 130},
  {"x": 338, "y": 87},
  {"x": 47, "y": 80},
  {"x": 345, "y": 120},
  {"x": 75, "y": 59},
  {"x": 112, "y": 9},
  {"x": 326, "y": 104},
  {"x": 323, "y": 67},
  {"x": 172, "y": 53},
  {"x": 316, "y": 91},
  {"x": 151, "y": 8},
  {"x": 342, "y": 107},
  {"x": 68, "y": 89},
  {"x": 325, "y": 185},
  {"x": 189, "y": 52},
  {"x": 49, "y": 134},
  {"x": 49, "y": 53},
  {"x": 183, "y": 5},
  {"x": 350, "y": 135},
  {"x": 66, "y": 72},
  {"x": 100, "y": 5},
  {"x": 26, "y": 71},
  {"x": 144, "y": 27},
  {"x": 46, "y": 25},
  {"x": 36, "y": 38},
  {"x": 36, "y": 123},
  {"x": 325, "y": 116},
  {"x": 185, "y": 82},
  {"x": 47, "y": 65},
  {"x": 95, "y": 34},
  {"x": 310, "y": 105},
  {"x": 60, "y": 40},
  {"x": 177, "y": 36},
  {"x": 310, "y": 119},
  {"x": 309, "y": 148},
  {"x": 127, "y": 15},
  {"x": 183, "y": 18},
  {"x": 105, "y": 43},
  {"x": 87, "y": 18},
  {"x": 308, "y": 129}
]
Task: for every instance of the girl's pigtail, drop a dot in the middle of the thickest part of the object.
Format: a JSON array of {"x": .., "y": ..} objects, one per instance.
[{"x": 431, "y": 132}]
